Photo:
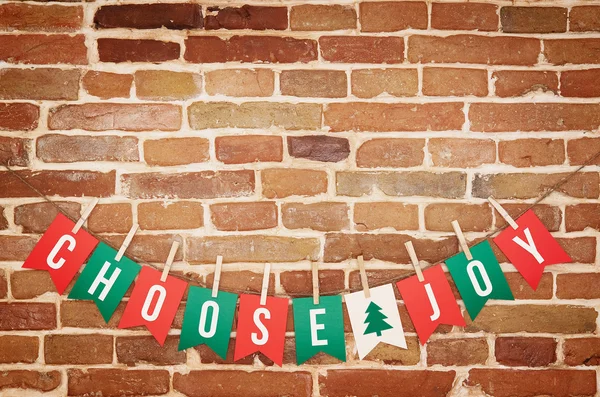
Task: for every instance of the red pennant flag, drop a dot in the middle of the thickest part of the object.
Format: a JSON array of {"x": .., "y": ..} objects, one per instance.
[
  {"x": 431, "y": 302},
  {"x": 61, "y": 252},
  {"x": 153, "y": 303},
  {"x": 530, "y": 248},
  {"x": 261, "y": 328}
]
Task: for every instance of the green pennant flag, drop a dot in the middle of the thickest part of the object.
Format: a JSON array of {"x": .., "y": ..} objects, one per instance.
[
  {"x": 319, "y": 328},
  {"x": 105, "y": 280},
  {"x": 208, "y": 320},
  {"x": 479, "y": 279}
]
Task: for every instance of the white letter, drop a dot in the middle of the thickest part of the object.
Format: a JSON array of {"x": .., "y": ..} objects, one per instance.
[
  {"x": 108, "y": 282},
  {"x": 213, "y": 324},
  {"x": 529, "y": 246},
  {"x": 433, "y": 302},
  {"x": 51, "y": 260},
  {"x": 261, "y": 327},
  {"x": 314, "y": 327},
  {"x": 159, "y": 303},
  {"x": 484, "y": 277}
]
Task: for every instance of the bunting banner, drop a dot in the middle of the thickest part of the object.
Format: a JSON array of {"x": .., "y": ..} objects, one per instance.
[
  {"x": 208, "y": 320},
  {"x": 61, "y": 252},
  {"x": 430, "y": 302},
  {"x": 261, "y": 328},
  {"x": 479, "y": 279},
  {"x": 530, "y": 248},
  {"x": 105, "y": 280},
  {"x": 319, "y": 328},
  {"x": 375, "y": 319}
]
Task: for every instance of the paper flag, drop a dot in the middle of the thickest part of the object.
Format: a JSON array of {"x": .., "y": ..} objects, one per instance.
[
  {"x": 261, "y": 328},
  {"x": 153, "y": 303},
  {"x": 431, "y": 302},
  {"x": 530, "y": 248},
  {"x": 105, "y": 280},
  {"x": 375, "y": 319},
  {"x": 60, "y": 252},
  {"x": 208, "y": 320},
  {"x": 479, "y": 279},
  {"x": 319, "y": 328}
]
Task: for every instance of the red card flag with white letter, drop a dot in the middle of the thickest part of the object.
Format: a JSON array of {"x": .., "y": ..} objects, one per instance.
[
  {"x": 153, "y": 303},
  {"x": 61, "y": 252},
  {"x": 530, "y": 247},
  {"x": 261, "y": 328}
]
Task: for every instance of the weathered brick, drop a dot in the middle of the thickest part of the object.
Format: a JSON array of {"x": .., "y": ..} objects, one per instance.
[
  {"x": 78, "y": 349},
  {"x": 285, "y": 182},
  {"x": 380, "y": 277},
  {"x": 323, "y": 216},
  {"x": 244, "y": 216},
  {"x": 482, "y": 49},
  {"x": 461, "y": 152},
  {"x": 41, "y": 83},
  {"x": 30, "y": 284},
  {"x": 111, "y": 218},
  {"x": 296, "y": 283},
  {"x": 391, "y": 152},
  {"x": 18, "y": 349},
  {"x": 107, "y": 85},
  {"x": 580, "y": 151},
  {"x": 391, "y": 16},
  {"x": 577, "y": 286},
  {"x": 580, "y": 249},
  {"x": 167, "y": 85},
  {"x": 384, "y": 117},
  {"x": 55, "y": 148},
  {"x": 550, "y": 216},
  {"x": 133, "y": 350},
  {"x": 531, "y": 152},
  {"x": 150, "y": 248},
  {"x": 49, "y": 18},
  {"x": 117, "y": 382},
  {"x": 251, "y": 248},
  {"x": 36, "y": 217},
  {"x": 464, "y": 16},
  {"x": 85, "y": 314},
  {"x": 176, "y": 151},
  {"x": 560, "y": 52},
  {"x": 301, "y": 116},
  {"x": 379, "y": 215},
  {"x": 521, "y": 290},
  {"x": 447, "y": 352},
  {"x": 130, "y": 50},
  {"x": 249, "y": 149},
  {"x": 43, "y": 49},
  {"x": 581, "y": 216},
  {"x": 240, "y": 82},
  {"x": 208, "y": 356},
  {"x": 16, "y": 248},
  {"x": 166, "y": 215},
  {"x": 18, "y": 116},
  {"x": 13, "y": 151},
  {"x": 27, "y": 316},
  {"x": 362, "y": 49},
  {"x": 522, "y": 82},
  {"x": 247, "y": 17},
  {"x": 30, "y": 380},
  {"x": 319, "y": 147},
  {"x": 150, "y": 16},
  {"x": 244, "y": 280},
  {"x": 322, "y": 17},
  {"x": 62, "y": 183},
  {"x": 527, "y": 352},
  {"x": 580, "y": 83},
  {"x": 584, "y": 19},
  {"x": 368, "y": 83},
  {"x": 533, "y": 19},
  {"x": 454, "y": 82},
  {"x": 393, "y": 355},
  {"x": 473, "y": 217},
  {"x": 3, "y": 226},
  {"x": 582, "y": 351},
  {"x": 314, "y": 83}
]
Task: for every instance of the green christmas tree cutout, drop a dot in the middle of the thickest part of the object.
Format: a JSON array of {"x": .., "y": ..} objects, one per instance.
[{"x": 376, "y": 320}]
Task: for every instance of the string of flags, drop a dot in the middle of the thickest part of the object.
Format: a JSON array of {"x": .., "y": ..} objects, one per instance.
[{"x": 318, "y": 320}]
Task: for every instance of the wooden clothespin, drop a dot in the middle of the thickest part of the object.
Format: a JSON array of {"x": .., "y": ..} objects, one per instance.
[
  {"x": 217, "y": 276},
  {"x": 265, "y": 285},
  {"x": 169, "y": 261},
  {"x": 414, "y": 260},
  {"x": 315, "y": 281},
  {"x": 462, "y": 240},
  {"x": 85, "y": 215},
  {"x": 126, "y": 242},
  {"x": 363, "y": 277},
  {"x": 503, "y": 213}
]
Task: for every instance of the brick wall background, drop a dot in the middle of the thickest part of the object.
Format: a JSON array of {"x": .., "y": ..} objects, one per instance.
[{"x": 280, "y": 130}]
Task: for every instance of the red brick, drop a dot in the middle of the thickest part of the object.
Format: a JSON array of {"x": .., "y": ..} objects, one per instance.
[
  {"x": 525, "y": 352},
  {"x": 314, "y": 83},
  {"x": 272, "y": 49},
  {"x": 580, "y": 249},
  {"x": 165, "y": 216},
  {"x": 319, "y": 147},
  {"x": 448, "y": 352},
  {"x": 522, "y": 82},
  {"x": 176, "y": 151},
  {"x": 464, "y": 16},
  {"x": 111, "y": 218},
  {"x": 13, "y": 151},
  {"x": 581, "y": 216},
  {"x": 533, "y": 19},
  {"x": 577, "y": 286},
  {"x": 473, "y": 217},
  {"x": 150, "y": 248},
  {"x": 532, "y": 152},
  {"x": 285, "y": 182},
  {"x": 240, "y": 82},
  {"x": 580, "y": 150},
  {"x": 393, "y": 355},
  {"x": 379, "y": 277},
  {"x": 249, "y": 149},
  {"x": 584, "y": 19},
  {"x": 244, "y": 216},
  {"x": 49, "y": 18},
  {"x": 42, "y": 83},
  {"x": 62, "y": 183},
  {"x": 133, "y": 350},
  {"x": 482, "y": 49},
  {"x": 18, "y": 349},
  {"x": 368, "y": 83},
  {"x": 3, "y": 285},
  {"x": 391, "y": 152},
  {"x": 247, "y": 17},
  {"x": 37, "y": 217},
  {"x": 392, "y": 16},
  {"x": 129, "y": 50},
  {"x": 323, "y": 216},
  {"x": 208, "y": 356},
  {"x": 385, "y": 383},
  {"x": 582, "y": 351},
  {"x": 244, "y": 280},
  {"x": 107, "y": 85},
  {"x": 550, "y": 216},
  {"x": 299, "y": 283},
  {"x": 385, "y": 117},
  {"x": 78, "y": 349},
  {"x": 560, "y": 52},
  {"x": 580, "y": 83},
  {"x": 454, "y": 82},
  {"x": 362, "y": 49},
  {"x": 43, "y": 49},
  {"x": 149, "y": 16},
  {"x": 55, "y": 148},
  {"x": 18, "y": 116},
  {"x": 522, "y": 290},
  {"x": 30, "y": 284},
  {"x": 521, "y": 383},
  {"x": 116, "y": 116},
  {"x": 117, "y": 382},
  {"x": 85, "y": 314},
  {"x": 374, "y": 215},
  {"x": 461, "y": 152},
  {"x": 509, "y": 117},
  {"x": 322, "y": 17},
  {"x": 16, "y": 248},
  {"x": 27, "y": 316},
  {"x": 30, "y": 380}
]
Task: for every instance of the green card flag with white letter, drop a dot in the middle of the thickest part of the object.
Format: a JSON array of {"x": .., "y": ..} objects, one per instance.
[
  {"x": 319, "y": 328},
  {"x": 208, "y": 320},
  {"x": 105, "y": 280},
  {"x": 478, "y": 279}
]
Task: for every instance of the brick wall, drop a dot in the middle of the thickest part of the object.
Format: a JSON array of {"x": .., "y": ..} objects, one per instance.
[{"x": 282, "y": 130}]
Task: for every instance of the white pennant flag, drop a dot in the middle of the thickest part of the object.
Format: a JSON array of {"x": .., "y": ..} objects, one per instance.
[{"x": 375, "y": 319}]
